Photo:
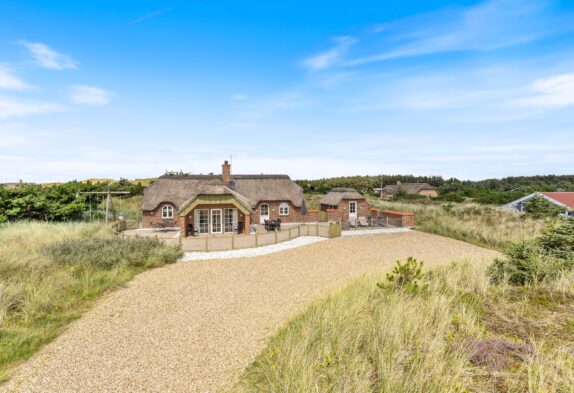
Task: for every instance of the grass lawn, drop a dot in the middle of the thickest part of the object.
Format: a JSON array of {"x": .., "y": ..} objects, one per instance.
[
  {"x": 461, "y": 331},
  {"x": 51, "y": 273},
  {"x": 482, "y": 225},
  {"x": 461, "y": 334}
]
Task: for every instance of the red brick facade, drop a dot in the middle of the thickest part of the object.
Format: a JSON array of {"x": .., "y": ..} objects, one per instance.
[
  {"x": 151, "y": 219},
  {"x": 293, "y": 216},
  {"x": 341, "y": 212}
]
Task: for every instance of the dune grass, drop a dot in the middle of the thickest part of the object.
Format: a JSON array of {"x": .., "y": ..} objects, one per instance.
[
  {"x": 483, "y": 225},
  {"x": 51, "y": 273},
  {"x": 461, "y": 334}
]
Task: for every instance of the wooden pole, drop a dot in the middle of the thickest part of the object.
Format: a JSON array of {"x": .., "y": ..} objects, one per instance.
[{"x": 108, "y": 198}]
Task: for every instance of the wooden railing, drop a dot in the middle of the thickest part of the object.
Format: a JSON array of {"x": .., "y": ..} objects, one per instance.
[{"x": 236, "y": 242}]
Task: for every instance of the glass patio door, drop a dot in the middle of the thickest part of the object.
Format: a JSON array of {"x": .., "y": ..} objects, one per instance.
[
  {"x": 216, "y": 221},
  {"x": 202, "y": 221}
]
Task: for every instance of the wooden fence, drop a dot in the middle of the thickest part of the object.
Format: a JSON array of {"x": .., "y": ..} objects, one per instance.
[{"x": 236, "y": 242}]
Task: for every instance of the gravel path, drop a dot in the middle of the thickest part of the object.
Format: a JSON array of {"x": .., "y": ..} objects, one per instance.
[
  {"x": 252, "y": 252},
  {"x": 193, "y": 327},
  {"x": 356, "y": 232}
]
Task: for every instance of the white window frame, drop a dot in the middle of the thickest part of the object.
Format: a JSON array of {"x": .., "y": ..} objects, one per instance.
[
  {"x": 355, "y": 206},
  {"x": 167, "y": 211},
  {"x": 212, "y": 215},
  {"x": 284, "y": 206},
  {"x": 266, "y": 208},
  {"x": 202, "y": 227},
  {"x": 229, "y": 219}
]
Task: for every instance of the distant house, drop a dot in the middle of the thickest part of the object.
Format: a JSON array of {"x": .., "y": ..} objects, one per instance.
[
  {"x": 344, "y": 204},
  {"x": 561, "y": 199},
  {"x": 422, "y": 189}
]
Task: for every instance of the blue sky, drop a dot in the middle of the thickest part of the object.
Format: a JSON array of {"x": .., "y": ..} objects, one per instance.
[{"x": 312, "y": 89}]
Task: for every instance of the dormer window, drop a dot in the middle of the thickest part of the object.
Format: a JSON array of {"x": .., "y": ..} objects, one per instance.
[{"x": 167, "y": 211}]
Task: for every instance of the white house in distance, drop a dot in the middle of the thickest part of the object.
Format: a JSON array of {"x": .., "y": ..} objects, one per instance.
[{"x": 561, "y": 199}]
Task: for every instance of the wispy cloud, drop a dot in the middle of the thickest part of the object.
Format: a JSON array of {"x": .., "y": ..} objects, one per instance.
[
  {"x": 149, "y": 16},
  {"x": 489, "y": 25},
  {"x": 10, "y": 107},
  {"x": 552, "y": 92},
  {"x": 332, "y": 56},
  {"x": 90, "y": 95},
  {"x": 47, "y": 57},
  {"x": 270, "y": 105},
  {"x": 239, "y": 97},
  {"x": 9, "y": 81}
]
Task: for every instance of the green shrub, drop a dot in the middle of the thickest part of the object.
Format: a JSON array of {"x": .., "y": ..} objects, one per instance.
[
  {"x": 559, "y": 239},
  {"x": 405, "y": 276},
  {"x": 539, "y": 207},
  {"x": 109, "y": 252},
  {"x": 545, "y": 258}
]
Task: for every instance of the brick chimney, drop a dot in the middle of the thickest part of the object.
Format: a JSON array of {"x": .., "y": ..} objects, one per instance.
[{"x": 226, "y": 172}]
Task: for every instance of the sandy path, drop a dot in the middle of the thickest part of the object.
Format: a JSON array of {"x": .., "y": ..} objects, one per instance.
[{"x": 193, "y": 327}]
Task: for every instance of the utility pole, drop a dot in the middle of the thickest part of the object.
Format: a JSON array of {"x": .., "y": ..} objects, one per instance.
[{"x": 108, "y": 198}]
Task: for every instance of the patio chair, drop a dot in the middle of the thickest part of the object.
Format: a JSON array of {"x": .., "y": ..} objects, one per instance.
[
  {"x": 239, "y": 228},
  {"x": 363, "y": 222},
  {"x": 278, "y": 224}
]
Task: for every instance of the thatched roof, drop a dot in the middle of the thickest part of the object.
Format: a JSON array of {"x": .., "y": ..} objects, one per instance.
[
  {"x": 336, "y": 195},
  {"x": 216, "y": 189},
  {"x": 409, "y": 188},
  {"x": 248, "y": 189}
]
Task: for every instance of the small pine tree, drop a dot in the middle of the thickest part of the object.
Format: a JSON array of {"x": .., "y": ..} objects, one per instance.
[
  {"x": 539, "y": 207},
  {"x": 405, "y": 276}
]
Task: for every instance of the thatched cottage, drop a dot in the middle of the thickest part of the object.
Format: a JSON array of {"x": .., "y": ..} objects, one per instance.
[
  {"x": 344, "y": 204},
  {"x": 422, "y": 189},
  {"x": 226, "y": 203}
]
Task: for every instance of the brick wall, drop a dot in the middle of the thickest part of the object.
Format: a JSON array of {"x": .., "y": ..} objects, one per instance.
[
  {"x": 293, "y": 216},
  {"x": 334, "y": 215},
  {"x": 430, "y": 193},
  {"x": 407, "y": 219},
  {"x": 151, "y": 219}
]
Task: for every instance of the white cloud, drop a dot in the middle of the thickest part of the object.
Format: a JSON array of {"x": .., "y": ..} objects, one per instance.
[
  {"x": 552, "y": 92},
  {"x": 239, "y": 97},
  {"x": 509, "y": 22},
  {"x": 90, "y": 95},
  {"x": 150, "y": 15},
  {"x": 10, "y": 107},
  {"x": 48, "y": 58},
  {"x": 9, "y": 81},
  {"x": 332, "y": 56}
]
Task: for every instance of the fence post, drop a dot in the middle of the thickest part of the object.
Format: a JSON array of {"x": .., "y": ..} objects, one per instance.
[
  {"x": 289, "y": 233},
  {"x": 298, "y": 230},
  {"x": 206, "y": 243},
  {"x": 256, "y": 240},
  {"x": 387, "y": 221},
  {"x": 275, "y": 237}
]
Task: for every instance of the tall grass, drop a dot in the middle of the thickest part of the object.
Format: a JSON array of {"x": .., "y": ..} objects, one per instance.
[
  {"x": 50, "y": 273},
  {"x": 444, "y": 339},
  {"x": 483, "y": 225}
]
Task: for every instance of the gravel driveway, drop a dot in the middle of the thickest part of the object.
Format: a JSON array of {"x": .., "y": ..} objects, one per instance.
[{"x": 193, "y": 327}]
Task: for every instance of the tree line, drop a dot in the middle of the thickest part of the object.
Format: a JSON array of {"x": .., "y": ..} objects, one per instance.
[
  {"x": 489, "y": 191},
  {"x": 58, "y": 202}
]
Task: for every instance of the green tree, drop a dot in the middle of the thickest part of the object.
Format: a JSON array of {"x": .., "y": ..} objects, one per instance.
[{"x": 539, "y": 207}]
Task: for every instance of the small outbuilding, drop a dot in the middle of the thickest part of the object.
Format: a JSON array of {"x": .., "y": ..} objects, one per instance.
[{"x": 344, "y": 204}]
